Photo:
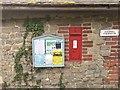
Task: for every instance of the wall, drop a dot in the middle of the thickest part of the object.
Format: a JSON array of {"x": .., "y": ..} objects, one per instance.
[
  {"x": 99, "y": 66},
  {"x": 56, "y": 1}
]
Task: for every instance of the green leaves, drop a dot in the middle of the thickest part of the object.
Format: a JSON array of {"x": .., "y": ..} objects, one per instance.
[
  {"x": 18, "y": 68},
  {"x": 19, "y": 54},
  {"x": 61, "y": 84},
  {"x": 34, "y": 26}
]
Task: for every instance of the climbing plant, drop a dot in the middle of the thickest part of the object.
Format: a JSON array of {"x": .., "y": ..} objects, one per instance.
[
  {"x": 61, "y": 84},
  {"x": 36, "y": 28}
]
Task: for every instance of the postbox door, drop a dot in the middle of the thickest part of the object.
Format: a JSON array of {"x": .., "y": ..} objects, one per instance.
[{"x": 75, "y": 44}]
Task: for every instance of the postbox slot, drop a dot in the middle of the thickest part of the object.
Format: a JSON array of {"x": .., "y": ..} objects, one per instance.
[{"x": 75, "y": 34}]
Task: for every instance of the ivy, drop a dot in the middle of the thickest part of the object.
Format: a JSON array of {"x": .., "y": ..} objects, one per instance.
[
  {"x": 61, "y": 84},
  {"x": 5, "y": 84},
  {"x": 34, "y": 26},
  {"x": 48, "y": 18}
]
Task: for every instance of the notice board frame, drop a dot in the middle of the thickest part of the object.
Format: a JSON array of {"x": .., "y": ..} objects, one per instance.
[{"x": 48, "y": 37}]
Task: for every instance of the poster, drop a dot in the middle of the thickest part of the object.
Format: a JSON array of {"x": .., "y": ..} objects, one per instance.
[
  {"x": 48, "y": 51},
  {"x": 39, "y": 59},
  {"x": 48, "y": 59},
  {"x": 50, "y": 46},
  {"x": 39, "y": 46},
  {"x": 57, "y": 57}
]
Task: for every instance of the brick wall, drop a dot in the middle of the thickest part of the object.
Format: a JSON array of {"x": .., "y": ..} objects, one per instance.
[
  {"x": 112, "y": 61},
  {"x": 86, "y": 43},
  {"x": 99, "y": 66}
]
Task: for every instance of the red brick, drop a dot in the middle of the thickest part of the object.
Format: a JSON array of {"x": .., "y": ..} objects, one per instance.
[
  {"x": 107, "y": 65},
  {"x": 115, "y": 54},
  {"x": 86, "y": 27},
  {"x": 66, "y": 52},
  {"x": 114, "y": 64},
  {"x": 84, "y": 48},
  {"x": 87, "y": 59},
  {"x": 66, "y": 58},
  {"x": 66, "y": 42},
  {"x": 66, "y": 55},
  {"x": 66, "y": 35},
  {"x": 113, "y": 50},
  {"x": 87, "y": 31},
  {"x": 110, "y": 43},
  {"x": 84, "y": 35},
  {"x": 88, "y": 55},
  {"x": 87, "y": 45},
  {"x": 113, "y": 72},
  {"x": 76, "y": 26},
  {"x": 86, "y": 38},
  {"x": 106, "y": 81},
  {"x": 62, "y": 31},
  {"x": 66, "y": 49},
  {"x": 118, "y": 51},
  {"x": 114, "y": 82},
  {"x": 111, "y": 36},
  {"x": 113, "y": 61},
  {"x": 88, "y": 42},
  {"x": 116, "y": 23},
  {"x": 112, "y": 78},
  {"x": 110, "y": 58},
  {"x": 87, "y": 24},
  {"x": 66, "y": 45},
  {"x": 117, "y": 46},
  {"x": 113, "y": 75},
  {"x": 84, "y": 52},
  {"x": 66, "y": 38},
  {"x": 115, "y": 38},
  {"x": 113, "y": 68},
  {"x": 116, "y": 27}
]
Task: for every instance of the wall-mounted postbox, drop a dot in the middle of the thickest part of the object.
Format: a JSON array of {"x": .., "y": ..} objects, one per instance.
[
  {"x": 75, "y": 44},
  {"x": 48, "y": 51}
]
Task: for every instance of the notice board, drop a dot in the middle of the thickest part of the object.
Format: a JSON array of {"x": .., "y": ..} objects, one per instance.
[{"x": 48, "y": 51}]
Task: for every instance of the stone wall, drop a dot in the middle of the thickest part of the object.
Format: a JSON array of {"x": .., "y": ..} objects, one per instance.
[{"x": 99, "y": 66}]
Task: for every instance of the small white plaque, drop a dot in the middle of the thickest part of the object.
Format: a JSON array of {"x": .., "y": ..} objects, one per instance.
[
  {"x": 112, "y": 32},
  {"x": 74, "y": 43}
]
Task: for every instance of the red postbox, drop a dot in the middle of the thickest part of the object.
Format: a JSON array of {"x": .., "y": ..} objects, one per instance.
[{"x": 75, "y": 44}]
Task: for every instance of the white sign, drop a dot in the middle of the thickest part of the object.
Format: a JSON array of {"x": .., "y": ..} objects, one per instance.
[
  {"x": 74, "y": 43},
  {"x": 39, "y": 46},
  {"x": 112, "y": 32}
]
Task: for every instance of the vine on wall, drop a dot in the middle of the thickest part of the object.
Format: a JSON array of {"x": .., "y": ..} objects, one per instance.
[
  {"x": 36, "y": 28},
  {"x": 61, "y": 84}
]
